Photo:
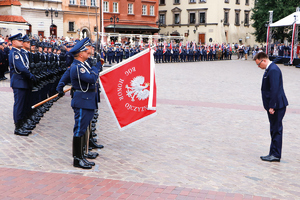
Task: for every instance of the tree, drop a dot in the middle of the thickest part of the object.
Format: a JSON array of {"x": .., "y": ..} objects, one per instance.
[{"x": 260, "y": 16}]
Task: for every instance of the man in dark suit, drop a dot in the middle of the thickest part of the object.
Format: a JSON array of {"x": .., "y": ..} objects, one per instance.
[{"x": 274, "y": 101}]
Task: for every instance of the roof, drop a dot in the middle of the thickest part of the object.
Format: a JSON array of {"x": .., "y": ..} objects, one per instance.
[
  {"x": 288, "y": 20},
  {"x": 9, "y": 2},
  {"x": 12, "y": 18}
]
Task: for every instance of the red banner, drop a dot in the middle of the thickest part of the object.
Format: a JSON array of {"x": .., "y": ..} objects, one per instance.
[{"x": 130, "y": 88}]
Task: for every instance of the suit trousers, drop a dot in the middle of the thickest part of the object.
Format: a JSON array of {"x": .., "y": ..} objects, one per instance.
[
  {"x": 276, "y": 131},
  {"x": 21, "y": 104},
  {"x": 82, "y": 118}
]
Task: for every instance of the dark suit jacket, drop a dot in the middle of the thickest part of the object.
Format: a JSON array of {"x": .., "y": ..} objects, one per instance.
[{"x": 273, "y": 95}]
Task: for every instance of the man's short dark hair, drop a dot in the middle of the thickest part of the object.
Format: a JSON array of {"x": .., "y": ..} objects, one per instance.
[{"x": 261, "y": 55}]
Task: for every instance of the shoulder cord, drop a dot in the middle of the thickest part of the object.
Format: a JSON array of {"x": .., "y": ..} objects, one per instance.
[
  {"x": 21, "y": 60},
  {"x": 80, "y": 82}
]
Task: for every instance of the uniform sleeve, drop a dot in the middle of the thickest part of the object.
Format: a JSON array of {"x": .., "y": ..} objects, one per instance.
[
  {"x": 20, "y": 67},
  {"x": 65, "y": 79}
]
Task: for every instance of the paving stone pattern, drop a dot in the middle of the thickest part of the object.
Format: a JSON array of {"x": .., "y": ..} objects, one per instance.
[{"x": 204, "y": 143}]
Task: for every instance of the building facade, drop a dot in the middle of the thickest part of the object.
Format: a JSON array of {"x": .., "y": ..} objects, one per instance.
[
  {"x": 11, "y": 21},
  {"x": 208, "y": 21},
  {"x": 38, "y": 15}
]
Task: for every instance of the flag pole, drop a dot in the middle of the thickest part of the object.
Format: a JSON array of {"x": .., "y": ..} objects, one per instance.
[
  {"x": 152, "y": 71},
  {"x": 46, "y": 100}
]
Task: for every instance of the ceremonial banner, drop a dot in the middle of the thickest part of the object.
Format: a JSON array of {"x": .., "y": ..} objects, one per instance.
[
  {"x": 165, "y": 47},
  {"x": 130, "y": 90},
  {"x": 180, "y": 47}
]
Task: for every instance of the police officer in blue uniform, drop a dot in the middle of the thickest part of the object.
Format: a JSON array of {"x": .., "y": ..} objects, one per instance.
[
  {"x": 21, "y": 80},
  {"x": 69, "y": 56},
  {"x": 84, "y": 101},
  {"x": 127, "y": 52},
  {"x": 2, "y": 62}
]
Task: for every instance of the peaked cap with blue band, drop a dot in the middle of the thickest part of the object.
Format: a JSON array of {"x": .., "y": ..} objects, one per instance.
[
  {"x": 79, "y": 46},
  {"x": 26, "y": 38},
  {"x": 88, "y": 42},
  {"x": 16, "y": 37}
]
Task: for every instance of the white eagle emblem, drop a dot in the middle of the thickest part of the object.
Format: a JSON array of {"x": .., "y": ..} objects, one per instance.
[{"x": 137, "y": 89}]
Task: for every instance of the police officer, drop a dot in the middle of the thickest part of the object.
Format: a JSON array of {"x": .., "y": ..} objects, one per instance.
[
  {"x": 21, "y": 80},
  {"x": 84, "y": 101},
  {"x": 110, "y": 53},
  {"x": 117, "y": 54},
  {"x": 127, "y": 52},
  {"x": 183, "y": 54},
  {"x": 2, "y": 62}
]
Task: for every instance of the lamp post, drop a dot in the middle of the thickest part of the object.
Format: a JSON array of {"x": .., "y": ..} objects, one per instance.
[
  {"x": 159, "y": 24},
  {"x": 51, "y": 12},
  {"x": 114, "y": 19}
]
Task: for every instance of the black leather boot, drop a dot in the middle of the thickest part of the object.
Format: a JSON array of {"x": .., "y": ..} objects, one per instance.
[
  {"x": 84, "y": 150},
  {"x": 94, "y": 145},
  {"x": 20, "y": 131},
  {"x": 94, "y": 134},
  {"x": 27, "y": 126},
  {"x": 78, "y": 154}
]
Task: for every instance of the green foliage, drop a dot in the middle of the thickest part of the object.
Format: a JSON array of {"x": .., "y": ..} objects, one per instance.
[{"x": 260, "y": 16}]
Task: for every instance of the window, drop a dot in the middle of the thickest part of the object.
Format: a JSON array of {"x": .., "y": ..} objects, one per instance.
[
  {"x": 71, "y": 26},
  {"x": 192, "y": 1},
  {"x": 246, "y": 2},
  {"x": 162, "y": 2},
  {"x": 202, "y": 1},
  {"x": 246, "y": 21},
  {"x": 152, "y": 10},
  {"x": 226, "y": 18},
  {"x": 162, "y": 18},
  {"x": 176, "y": 18},
  {"x": 192, "y": 18},
  {"x": 83, "y": 2},
  {"x": 144, "y": 10},
  {"x": 176, "y": 1},
  {"x": 115, "y": 7},
  {"x": 226, "y": 1},
  {"x": 130, "y": 8},
  {"x": 105, "y": 6},
  {"x": 237, "y": 18},
  {"x": 202, "y": 18},
  {"x": 73, "y": 2},
  {"x": 237, "y": 1},
  {"x": 93, "y": 2}
]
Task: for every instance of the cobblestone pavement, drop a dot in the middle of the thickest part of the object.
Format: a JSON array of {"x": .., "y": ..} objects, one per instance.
[{"x": 207, "y": 137}]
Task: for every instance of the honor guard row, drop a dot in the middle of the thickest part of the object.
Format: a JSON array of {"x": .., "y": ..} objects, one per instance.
[
  {"x": 84, "y": 76},
  {"x": 188, "y": 54},
  {"x": 4, "y": 52},
  {"x": 116, "y": 54},
  {"x": 35, "y": 69}
]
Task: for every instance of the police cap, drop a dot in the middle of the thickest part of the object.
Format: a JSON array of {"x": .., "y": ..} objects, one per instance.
[
  {"x": 16, "y": 37},
  {"x": 79, "y": 46}
]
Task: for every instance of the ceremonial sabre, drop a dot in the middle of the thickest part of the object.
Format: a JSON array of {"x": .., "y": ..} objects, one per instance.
[{"x": 50, "y": 98}]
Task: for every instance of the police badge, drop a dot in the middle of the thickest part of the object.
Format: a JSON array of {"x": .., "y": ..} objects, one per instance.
[
  {"x": 82, "y": 70},
  {"x": 16, "y": 57}
]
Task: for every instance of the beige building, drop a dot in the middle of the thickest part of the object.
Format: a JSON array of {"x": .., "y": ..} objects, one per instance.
[
  {"x": 208, "y": 21},
  {"x": 38, "y": 15}
]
